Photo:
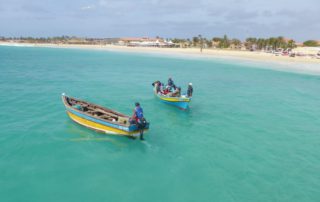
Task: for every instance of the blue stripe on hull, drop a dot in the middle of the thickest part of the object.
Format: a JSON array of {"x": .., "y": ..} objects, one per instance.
[
  {"x": 128, "y": 129},
  {"x": 181, "y": 105}
]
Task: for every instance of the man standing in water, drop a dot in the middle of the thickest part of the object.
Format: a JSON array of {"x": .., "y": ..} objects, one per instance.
[
  {"x": 140, "y": 120},
  {"x": 190, "y": 90}
]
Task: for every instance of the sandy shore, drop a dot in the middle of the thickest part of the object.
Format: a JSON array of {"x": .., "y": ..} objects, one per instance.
[{"x": 297, "y": 64}]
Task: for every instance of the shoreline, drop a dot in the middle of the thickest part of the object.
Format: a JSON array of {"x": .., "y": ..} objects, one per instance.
[{"x": 291, "y": 64}]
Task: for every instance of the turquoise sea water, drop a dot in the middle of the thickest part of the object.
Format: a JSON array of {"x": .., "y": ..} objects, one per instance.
[{"x": 251, "y": 134}]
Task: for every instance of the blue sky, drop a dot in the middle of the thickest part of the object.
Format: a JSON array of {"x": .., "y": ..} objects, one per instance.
[{"x": 176, "y": 18}]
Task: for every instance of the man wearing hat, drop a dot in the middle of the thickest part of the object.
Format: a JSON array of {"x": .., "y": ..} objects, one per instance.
[{"x": 190, "y": 90}]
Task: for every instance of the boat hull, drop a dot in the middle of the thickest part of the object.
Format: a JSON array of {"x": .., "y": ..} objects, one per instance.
[{"x": 177, "y": 103}]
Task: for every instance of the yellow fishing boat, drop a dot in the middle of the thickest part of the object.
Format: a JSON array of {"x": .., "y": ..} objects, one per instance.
[
  {"x": 100, "y": 118},
  {"x": 181, "y": 102}
]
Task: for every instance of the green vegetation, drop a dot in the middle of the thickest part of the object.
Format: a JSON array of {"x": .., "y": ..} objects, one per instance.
[
  {"x": 271, "y": 43},
  {"x": 311, "y": 43},
  {"x": 184, "y": 43},
  {"x": 251, "y": 43},
  {"x": 225, "y": 42},
  {"x": 195, "y": 41}
]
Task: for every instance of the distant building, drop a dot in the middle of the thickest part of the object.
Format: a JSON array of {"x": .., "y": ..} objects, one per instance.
[
  {"x": 145, "y": 42},
  {"x": 184, "y": 44},
  {"x": 215, "y": 44},
  {"x": 240, "y": 46}
]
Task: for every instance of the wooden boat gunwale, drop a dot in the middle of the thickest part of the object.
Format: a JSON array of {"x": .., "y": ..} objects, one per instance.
[{"x": 68, "y": 105}]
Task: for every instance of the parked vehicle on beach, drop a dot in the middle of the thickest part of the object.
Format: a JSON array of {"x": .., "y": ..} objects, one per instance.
[
  {"x": 300, "y": 54},
  {"x": 277, "y": 53},
  {"x": 292, "y": 55}
]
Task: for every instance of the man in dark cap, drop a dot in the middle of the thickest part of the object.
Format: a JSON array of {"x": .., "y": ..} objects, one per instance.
[{"x": 170, "y": 82}]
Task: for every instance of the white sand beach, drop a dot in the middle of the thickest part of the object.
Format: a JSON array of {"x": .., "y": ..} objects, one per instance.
[{"x": 305, "y": 64}]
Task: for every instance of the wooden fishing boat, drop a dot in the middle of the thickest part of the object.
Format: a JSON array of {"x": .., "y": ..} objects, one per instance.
[
  {"x": 181, "y": 102},
  {"x": 100, "y": 118}
]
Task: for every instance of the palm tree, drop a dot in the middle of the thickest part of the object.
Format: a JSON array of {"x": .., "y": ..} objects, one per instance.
[
  {"x": 272, "y": 43},
  {"x": 281, "y": 42},
  {"x": 260, "y": 43},
  {"x": 225, "y": 42},
  {"x": 291, "y": 44},
  {"x": 195, "y": 41},
  {"x": 201, "y": 42},
  {"x": 250, "y": 42},
  {"x": 208, "y": 43}
]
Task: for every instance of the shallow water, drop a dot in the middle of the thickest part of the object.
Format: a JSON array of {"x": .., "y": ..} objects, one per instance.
[{"x": 250, "y": 134}]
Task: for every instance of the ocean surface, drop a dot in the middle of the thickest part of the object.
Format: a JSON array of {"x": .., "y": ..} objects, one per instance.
[{"x": 250, "y": 134}]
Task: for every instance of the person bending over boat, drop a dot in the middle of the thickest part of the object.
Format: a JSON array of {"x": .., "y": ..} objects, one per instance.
[
  {"x": 158, "y": 86},
  {"x": 167, "y": 90},
  {"x": 139, "y": 118},
  {"x": 190, "y": 90},
  {"x": 176, "y": 93}
]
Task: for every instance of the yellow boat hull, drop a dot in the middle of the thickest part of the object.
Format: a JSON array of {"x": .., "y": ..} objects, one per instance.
[{"x": 100, "y": 127}]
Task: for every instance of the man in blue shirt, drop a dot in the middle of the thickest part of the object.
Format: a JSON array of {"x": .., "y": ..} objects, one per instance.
[{"x": 140, "y": 120}]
